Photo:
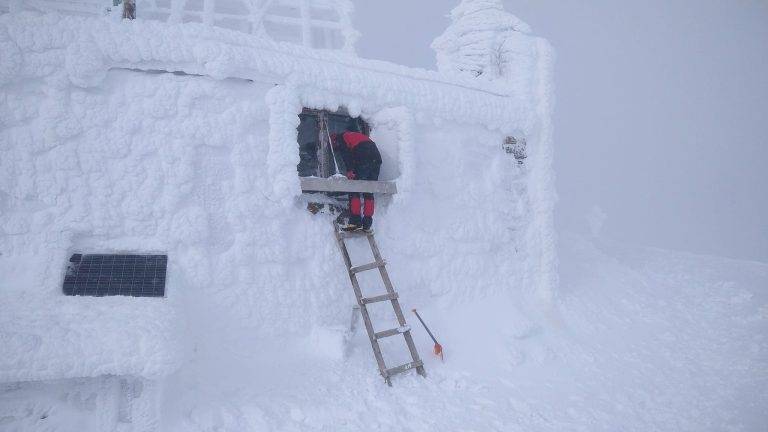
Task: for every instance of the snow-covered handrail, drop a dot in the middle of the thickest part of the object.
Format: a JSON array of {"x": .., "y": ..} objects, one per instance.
[
  {"x": 253, "y": 14},
  {"x": 248, "y": 16}
]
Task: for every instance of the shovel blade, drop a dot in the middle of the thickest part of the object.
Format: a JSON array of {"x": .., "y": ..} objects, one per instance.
[{"x": 439, "y": 351}]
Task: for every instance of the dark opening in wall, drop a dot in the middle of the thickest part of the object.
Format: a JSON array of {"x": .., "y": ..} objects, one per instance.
[
  {"x": 315, "y": 152},
  {"x": 107, "y": 275}
]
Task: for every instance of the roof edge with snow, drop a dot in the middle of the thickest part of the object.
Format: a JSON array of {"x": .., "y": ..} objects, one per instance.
[{"x": 91, "y": 46}]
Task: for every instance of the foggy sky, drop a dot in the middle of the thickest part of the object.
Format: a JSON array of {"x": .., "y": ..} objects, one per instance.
[{"x": 661, "y": 116}]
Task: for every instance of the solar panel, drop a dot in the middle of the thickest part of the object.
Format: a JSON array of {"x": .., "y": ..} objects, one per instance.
[{"x": 107, "y": 275}]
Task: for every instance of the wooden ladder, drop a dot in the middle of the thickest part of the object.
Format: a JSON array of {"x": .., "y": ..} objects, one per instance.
[{"x": 391, "y": 296}]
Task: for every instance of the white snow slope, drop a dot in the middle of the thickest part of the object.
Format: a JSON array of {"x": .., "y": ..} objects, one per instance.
[{"x": 642, "y": 340}]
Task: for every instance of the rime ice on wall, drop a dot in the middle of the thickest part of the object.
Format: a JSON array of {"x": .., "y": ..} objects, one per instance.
[{"x": 482, "y": 40}]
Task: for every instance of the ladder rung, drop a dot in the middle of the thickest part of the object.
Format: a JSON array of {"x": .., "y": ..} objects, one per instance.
[
  {"x": 403, "y": 368},
  {"x": 392, "y": 332},
  {"x": 345, "y": 234},
  {"x": 369, "y": 266},
  {"x": 383, "y": 297}
]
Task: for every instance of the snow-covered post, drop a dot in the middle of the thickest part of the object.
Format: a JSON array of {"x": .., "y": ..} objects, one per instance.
[
  {"x": 345, "y": 9},
  {"x": 257, "y": 16},
  {"x": 129, "y": 9},
  {"x": 177, "y": 9},
  {"x": 208, "y": 12},
  {"x": 306, "y": 23}
]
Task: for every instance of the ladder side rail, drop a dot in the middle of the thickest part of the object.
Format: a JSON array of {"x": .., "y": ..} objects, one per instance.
[
  {"x": 408, "y": 338},
  {"x": 363, "y": 309},
  {"x": 371, "y": 334},
  {"x": 343, "y": 249},
  {"x": 396, "y": 306},
  {"x": 382, "y": 270}
]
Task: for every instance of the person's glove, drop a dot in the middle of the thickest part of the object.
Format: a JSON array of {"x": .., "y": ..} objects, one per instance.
[{"x": 351, "y": 175}]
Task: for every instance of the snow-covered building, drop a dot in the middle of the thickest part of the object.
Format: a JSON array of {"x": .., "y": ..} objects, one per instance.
[{"x": 176, "y": 134}]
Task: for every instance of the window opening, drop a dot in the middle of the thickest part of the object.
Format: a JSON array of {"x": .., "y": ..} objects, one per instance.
[
  {"x": 316, "y": 155},
  {"x": 318, "y": 162}
]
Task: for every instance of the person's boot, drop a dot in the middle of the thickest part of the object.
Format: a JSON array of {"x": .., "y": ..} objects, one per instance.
[
  {"x": 367, "y": 224},
  {"x": 353, "y": 224}
]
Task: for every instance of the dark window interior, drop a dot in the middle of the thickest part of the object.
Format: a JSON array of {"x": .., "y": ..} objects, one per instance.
[
  {"x": 315, "y": 128},
  {"x": 107, "y": 275}
]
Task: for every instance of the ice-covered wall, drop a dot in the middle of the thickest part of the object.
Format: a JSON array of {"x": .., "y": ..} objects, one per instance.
[{"x": 98, "y": 156}]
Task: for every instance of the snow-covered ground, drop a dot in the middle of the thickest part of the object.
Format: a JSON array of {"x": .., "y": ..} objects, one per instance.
[{"x": 640, "y": 340}]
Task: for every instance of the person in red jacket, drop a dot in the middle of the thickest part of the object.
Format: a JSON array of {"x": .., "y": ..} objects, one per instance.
[{"x": 363, "y": 162}]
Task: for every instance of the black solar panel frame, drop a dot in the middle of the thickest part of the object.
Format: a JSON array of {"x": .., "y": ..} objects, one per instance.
[{"x": 99, "y": 275}]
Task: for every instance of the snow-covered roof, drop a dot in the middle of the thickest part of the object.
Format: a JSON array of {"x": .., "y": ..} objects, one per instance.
[{"x": 91, "y": 46}]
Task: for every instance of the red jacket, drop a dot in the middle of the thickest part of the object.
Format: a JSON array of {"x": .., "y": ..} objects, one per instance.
[
  {"x": 359, "y": 152},
  {"x": 352, "y": 139}
]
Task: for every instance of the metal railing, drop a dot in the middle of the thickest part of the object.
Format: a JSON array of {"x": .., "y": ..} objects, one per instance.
[{"x": 312, "y": 23}]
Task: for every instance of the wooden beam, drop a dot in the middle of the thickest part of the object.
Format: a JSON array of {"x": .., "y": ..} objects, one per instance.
[{"x": 340, "y": 184}]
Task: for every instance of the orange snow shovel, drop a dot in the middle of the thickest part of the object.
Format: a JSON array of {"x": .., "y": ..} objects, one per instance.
[{"x": 438, "y": 348}]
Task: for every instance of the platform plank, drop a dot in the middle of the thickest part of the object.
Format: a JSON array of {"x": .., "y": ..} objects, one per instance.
[{"x": 340, "y": 184}]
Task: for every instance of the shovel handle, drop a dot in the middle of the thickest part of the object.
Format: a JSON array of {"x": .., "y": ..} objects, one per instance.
[{"x": 425, "y": 327}]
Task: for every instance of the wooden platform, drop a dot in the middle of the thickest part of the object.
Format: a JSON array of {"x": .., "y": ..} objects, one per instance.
[{"x": 341, "y": 184}]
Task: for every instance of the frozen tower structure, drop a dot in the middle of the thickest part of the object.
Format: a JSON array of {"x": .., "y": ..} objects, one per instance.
[{"x": 481, "y": 40}]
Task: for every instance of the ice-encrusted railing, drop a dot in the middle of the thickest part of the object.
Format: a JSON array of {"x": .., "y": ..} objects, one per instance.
[
  {"x": 324, "y": 24},
  {"x": 69, "y": 7},
  {"x": 312, "y": 23}
]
